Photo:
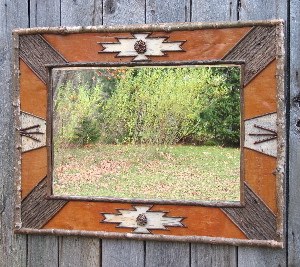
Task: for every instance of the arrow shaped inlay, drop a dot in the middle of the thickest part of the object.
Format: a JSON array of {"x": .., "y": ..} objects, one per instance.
[
  {"x": 261, "y": 134},
  {"x": 269, "y": 136}
]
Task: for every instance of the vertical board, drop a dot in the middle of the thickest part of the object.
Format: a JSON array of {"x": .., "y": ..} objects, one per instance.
[
  {"x": 42, "y": 251},
  {"x": 75, "y": 251},
  {"x": 79, "y": 251},
  {"x": 121, "y": 12},
  {"x": 118, "y": 12},
  {"x": 81, "y": 12},
  {"x": 294, "y": 181},
  {"x": 262, "y": 257},
  {"x": 167, "y": 11},
  {"x": 164, "y": 253},
  {"x": 214, "y": 10},
  {"x": 13, "y": 248},
  {"x": 213, "y": 255},
  {"x": 260, "y": 10},
  {"x": 125, "y": 253},
  {"x": 167, "y": 254},
  {"x": 44, "y": 13}
]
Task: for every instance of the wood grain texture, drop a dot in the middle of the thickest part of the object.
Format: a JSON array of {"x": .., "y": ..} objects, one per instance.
[
  {"x": 81, "y": 12},
  {"x": 294, "y": 151},
  {"x": 118, "y": 12},
  {"x": 79, "y": 251},
  {"x": 12, "y": 247},
  {"x": 195, "y": 11},
  {"x": 167, "y": 11},
  {"x": 262, "y": 257},
  {"x": 42, "y": 251},
  {"x": 44, "y": 13},
  {"x": 36, "y": 209},
  {"x": 213, "y": 255},
  {"x": 214, "y": 10},
  {"x": 75, "y": 251},
  {"x": 128, "y": 253},
  {"x": 167, "y": 254},
  {"x": 261, "y": 9},
  {"x": 35, "y": 51}
]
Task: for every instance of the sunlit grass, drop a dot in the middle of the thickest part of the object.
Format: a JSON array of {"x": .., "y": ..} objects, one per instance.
[{"x": 182, "y": 172}]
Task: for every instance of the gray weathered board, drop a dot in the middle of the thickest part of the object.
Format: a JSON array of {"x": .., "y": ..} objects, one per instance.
[{"x": 22, "y": 250}]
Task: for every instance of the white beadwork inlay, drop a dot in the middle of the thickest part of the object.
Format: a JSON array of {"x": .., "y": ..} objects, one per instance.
[{"x": 152, "y": 46}]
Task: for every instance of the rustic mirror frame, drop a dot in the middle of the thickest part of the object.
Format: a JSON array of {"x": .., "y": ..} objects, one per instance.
[{"x": 258, "y": 46}]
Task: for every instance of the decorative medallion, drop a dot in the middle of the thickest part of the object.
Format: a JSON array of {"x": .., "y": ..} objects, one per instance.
[
  {"x": 261, "y": 134},
  {"x": 33, "y": 131},
  {"x": 141, "y": 46},
  {"x": 142, "y": 219}
]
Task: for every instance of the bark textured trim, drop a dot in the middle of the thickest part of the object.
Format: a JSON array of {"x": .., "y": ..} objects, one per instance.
[
  {"x": 36, "y": 51},
  {"x": 255, "y": 220},
  {"x": 36, "y": 209},
  {"x": 257, "y": 48}
]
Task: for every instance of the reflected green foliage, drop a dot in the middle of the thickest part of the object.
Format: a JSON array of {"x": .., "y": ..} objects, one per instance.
[
  {"x": 166, "y": 105},
  {"x": 76, "y": 110}
]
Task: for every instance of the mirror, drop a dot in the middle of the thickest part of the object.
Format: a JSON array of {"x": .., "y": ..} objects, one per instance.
[
  {"x": 141, "y": 132},
  {"x": 147, "y": 132}
]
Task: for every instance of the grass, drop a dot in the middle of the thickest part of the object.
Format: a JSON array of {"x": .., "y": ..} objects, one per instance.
[{"x": 182, "y": 172}]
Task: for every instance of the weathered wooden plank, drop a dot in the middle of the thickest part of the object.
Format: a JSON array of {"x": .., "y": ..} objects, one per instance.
[
  {"x": 213, "y": 10},
  {"x": 42, "y": 251},
  {"x": 260, "y": 9},
  {"x": 167, "y": 254},
  {"x": 294, "y": 151},
  {"x": 12, "y": 247},
  {"x": 118, "y": 12},
  {"x": 44, "y": 13},
  {"x": 262, "y": 257},
  {"x": 81, "y": 12},
  {"x": 213, "y": 255},
  {"x": 125, "y": 253},
  {"x": 203, "y": 10},
  {"x": 167, "y": 11},
  {"x": 79, "y": 251},
  {"x": 132, "y": 252}
]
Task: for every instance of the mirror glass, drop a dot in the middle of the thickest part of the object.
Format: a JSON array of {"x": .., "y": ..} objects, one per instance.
[{"x": 168, "y": 133}]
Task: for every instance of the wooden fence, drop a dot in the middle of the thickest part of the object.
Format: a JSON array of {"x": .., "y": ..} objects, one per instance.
[{"x": 22, "y": 250}]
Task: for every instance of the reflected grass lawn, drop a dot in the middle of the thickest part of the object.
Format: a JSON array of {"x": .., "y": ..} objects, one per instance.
[{"x": 182, "y": 172}]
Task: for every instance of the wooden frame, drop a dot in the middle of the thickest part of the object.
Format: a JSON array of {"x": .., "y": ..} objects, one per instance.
[{"x": 258, "y": 45}]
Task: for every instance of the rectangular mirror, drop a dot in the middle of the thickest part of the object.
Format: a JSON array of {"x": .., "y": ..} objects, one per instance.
[
  {"x": 172, "y": 132},
  {"x": 147, "y": 132}
]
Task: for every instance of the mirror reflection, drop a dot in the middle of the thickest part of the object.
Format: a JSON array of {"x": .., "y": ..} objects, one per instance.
[{"x": 147, "y": 132}]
